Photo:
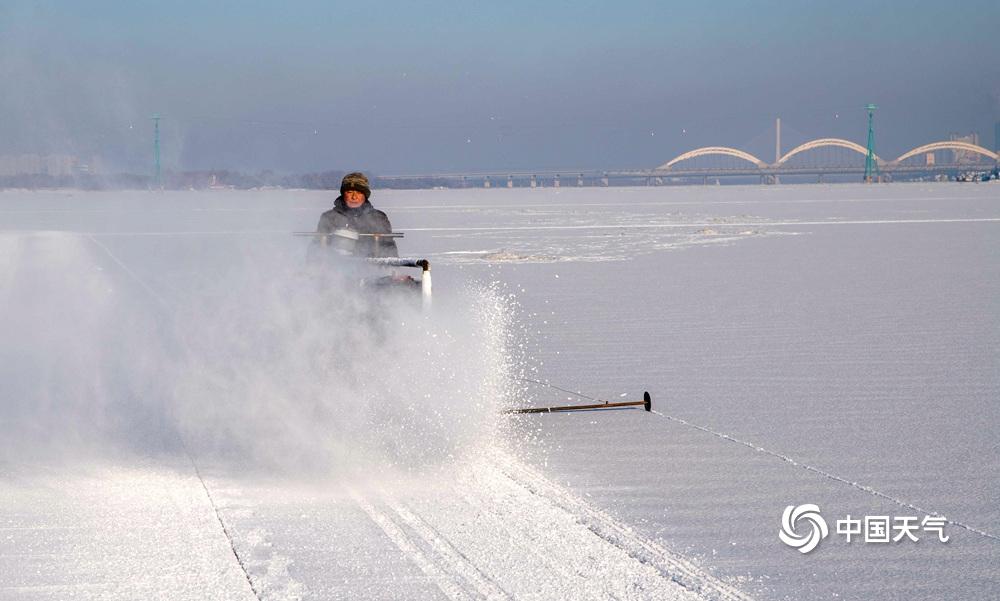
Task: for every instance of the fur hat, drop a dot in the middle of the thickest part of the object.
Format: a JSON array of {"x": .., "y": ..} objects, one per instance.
[{"x": 356, "y": 181}]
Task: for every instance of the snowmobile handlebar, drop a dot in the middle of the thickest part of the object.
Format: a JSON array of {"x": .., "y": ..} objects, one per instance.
[
  {"x": 400, "y": 262},
  {"x": 345, "y": 241},
  {"x": 345, "y": 233}
]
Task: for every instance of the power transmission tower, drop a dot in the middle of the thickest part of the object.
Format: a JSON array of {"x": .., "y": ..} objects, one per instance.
[
  {"x": 871, "y": 162},
  {"x": 157, "y": 179}
]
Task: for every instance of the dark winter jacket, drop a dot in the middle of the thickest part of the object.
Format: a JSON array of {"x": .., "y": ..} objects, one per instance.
[{"x": 365, "y": 219}]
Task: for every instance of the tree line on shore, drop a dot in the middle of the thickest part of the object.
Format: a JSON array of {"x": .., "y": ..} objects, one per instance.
[{"x": 204, "y": 180}]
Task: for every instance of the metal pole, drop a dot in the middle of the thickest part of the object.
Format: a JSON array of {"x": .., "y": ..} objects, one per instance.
[
  {"x": 871, "y": 164},
  {"x": 777, "y": 140},
  {"x": 157, "y": 179},
  {"x": 646, "y": 402},
  {"x": 777, "y": 147}
]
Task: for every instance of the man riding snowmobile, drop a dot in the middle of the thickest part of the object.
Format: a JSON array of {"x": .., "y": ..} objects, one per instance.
[
  {"x": 354, "y": 225},
  {"x": 355, "y": 228}
]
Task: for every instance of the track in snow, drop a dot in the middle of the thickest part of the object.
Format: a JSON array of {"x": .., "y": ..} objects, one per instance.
[
  {"x": 448, "y": 568},
  {"x": 496, "y": 529}
]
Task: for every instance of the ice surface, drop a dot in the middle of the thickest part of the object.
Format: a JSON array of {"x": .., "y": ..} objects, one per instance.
[
  {"x": 141, "y": 531},
  {"x": 851, "y": 332}
]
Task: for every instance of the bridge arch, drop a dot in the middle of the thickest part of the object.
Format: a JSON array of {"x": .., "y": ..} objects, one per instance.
[
  {"x": 710, "y": 150},
  {"x": 822, "y": 142},
  {"x": 947, "y": 145}
]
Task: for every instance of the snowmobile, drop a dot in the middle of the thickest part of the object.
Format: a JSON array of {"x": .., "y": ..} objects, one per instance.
[{"x": 344, "y": 244}]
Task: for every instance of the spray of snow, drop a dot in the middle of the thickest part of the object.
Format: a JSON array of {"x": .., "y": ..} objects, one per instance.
[
  {"x": 310, "y": 371},
  {"x": 78, "y": 363},
  {"x": 298, "y": 369}
]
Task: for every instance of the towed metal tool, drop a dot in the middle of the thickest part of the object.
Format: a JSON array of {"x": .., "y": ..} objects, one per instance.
[{"x": 646, "y": 403}]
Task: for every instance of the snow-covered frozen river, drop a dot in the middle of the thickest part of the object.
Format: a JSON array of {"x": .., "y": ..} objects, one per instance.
[{"x": 184, "y": 416}]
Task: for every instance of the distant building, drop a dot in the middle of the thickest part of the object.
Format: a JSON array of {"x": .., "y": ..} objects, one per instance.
[
  {"x": 23, "y": 164},
  {"x": 30, "y": 164},
  {"x": 964, "y": 156},
  {"x": 55, "y": 165},
  {"x": 94, "y": 167},
  {"x": 59, "y": 165}
]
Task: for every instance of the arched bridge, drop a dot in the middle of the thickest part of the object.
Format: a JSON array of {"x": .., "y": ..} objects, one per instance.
[
  {"x": 823, "y": 143},
  {"x": 713, "y": 150},
  {"x": 746, "y": 165},
  {"x": 948, "y": 145}
]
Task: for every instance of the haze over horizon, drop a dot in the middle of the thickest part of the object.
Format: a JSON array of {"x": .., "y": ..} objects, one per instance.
[{"x": 398, "y": 87}]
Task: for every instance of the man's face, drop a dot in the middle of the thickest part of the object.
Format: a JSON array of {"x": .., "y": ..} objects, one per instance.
[{"x": 354, "y": 198}]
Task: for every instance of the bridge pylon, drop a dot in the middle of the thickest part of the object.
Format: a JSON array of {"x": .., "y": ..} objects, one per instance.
[
  {"x": 871, "y": 161},
  {"x": 157, "y": 175}
]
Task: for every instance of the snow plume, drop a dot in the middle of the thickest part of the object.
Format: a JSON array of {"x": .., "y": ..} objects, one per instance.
[
  {"x": 268, "y": 366},
  {"x": 310, "y": 371},
  {"x": 79, "y": 366}
]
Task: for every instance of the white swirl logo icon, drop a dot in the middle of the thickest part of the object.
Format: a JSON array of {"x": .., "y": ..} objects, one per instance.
[{"x": 817, "y": 527}]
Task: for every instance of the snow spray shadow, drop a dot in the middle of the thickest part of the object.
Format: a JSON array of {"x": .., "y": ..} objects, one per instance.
[
  {"x": 304, "y": 370},
  {"x": 80, "y": 367}
]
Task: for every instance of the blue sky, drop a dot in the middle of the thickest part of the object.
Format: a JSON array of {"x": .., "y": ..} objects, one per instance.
[{"x": 407, "y": 87}]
